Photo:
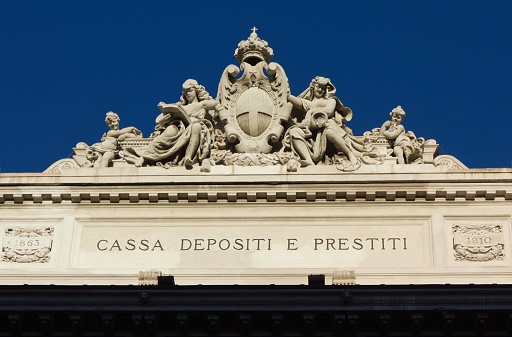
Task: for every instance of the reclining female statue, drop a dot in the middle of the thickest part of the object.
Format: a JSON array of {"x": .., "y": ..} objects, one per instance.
[
  {"x": 183, "y": 136},
  {"x": 324, "y": 115}
]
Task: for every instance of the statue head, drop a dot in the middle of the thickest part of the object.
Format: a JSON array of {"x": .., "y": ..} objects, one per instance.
[
  {"x": 192, "y": 89},
  {"x": 112, "y": 120},
  {"x": 397, "y": 114},
  {"x": 321, "y": 87}
]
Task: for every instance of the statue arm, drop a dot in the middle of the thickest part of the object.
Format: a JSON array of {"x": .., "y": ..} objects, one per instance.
[
  {"x": 127, "y": 130},
  {"x": 209, "y": 104},
  {"x": 296, "y": 102},
  {"x": 385, "y": 125},
  {"x": 395, "y": 133}
]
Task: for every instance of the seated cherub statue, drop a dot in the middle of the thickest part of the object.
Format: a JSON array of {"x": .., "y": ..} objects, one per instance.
[
  {"x": 401, "y": 142},
  {"x": 101, "y": 154}
]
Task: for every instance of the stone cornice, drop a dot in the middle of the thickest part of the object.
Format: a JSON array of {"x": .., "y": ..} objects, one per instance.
[
  {"x": 257, "y": 175},
  {"x": 97, "y": 186},
  {"x": 223, "y": 197}
]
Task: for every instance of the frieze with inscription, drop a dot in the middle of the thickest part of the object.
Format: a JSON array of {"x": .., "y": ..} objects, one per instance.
[{"x": 252, "y": 244}]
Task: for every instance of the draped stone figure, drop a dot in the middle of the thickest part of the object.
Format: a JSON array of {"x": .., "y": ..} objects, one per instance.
[
  {"x": 323, "y": 123},
  {"x": 183, "y": 135}
]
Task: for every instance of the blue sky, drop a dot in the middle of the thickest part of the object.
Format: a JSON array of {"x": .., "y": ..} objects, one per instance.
[{"x": 64, "y": 64}]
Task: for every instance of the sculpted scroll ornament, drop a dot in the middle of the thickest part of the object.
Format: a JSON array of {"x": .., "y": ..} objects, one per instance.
[
  {"x": 450, "y": 162},
  {"x": 62, "y": 164},
  {"x": 478, "y": 242},
  {"x": 27, "y": 244}
]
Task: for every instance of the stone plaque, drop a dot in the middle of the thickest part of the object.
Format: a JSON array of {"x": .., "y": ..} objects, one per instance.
[
  {"x": 27, "y": 244},
  {"x": 478, "y": 242}
]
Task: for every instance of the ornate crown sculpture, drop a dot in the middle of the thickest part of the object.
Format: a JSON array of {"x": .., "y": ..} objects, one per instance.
[{"x": 253, "y": 47}]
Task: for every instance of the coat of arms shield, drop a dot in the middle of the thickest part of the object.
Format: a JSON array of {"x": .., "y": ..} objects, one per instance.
[{"x": 253, "y": 106}]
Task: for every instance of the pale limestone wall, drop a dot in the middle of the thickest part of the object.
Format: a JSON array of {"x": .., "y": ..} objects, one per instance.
[{"x": 397, "y": 224}]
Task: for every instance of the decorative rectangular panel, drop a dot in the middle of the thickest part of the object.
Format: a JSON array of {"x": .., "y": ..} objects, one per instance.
[{"x": 26, "y": 244}]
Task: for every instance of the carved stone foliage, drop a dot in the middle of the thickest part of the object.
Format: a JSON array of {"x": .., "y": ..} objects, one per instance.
[
  {"x": 251, "y": 159},
  {"x": 27, "y": 244},
  {"x": 253, "y": 121},
  {"x": 478, "y": 242}
]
